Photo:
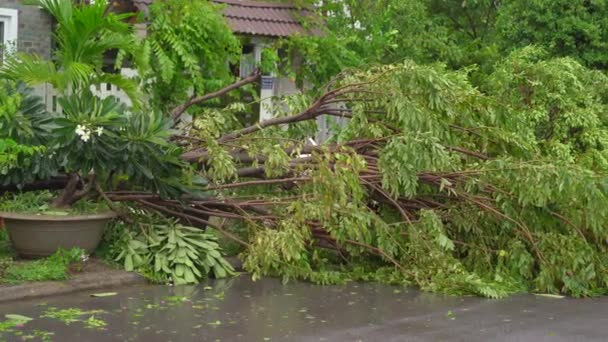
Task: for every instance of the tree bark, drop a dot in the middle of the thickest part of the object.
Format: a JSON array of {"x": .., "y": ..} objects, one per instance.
[{"x": 65, "y": 198}]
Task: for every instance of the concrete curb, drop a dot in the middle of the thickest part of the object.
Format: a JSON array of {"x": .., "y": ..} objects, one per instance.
[
  {"x": 78, "y": 282},
  {"x": 102, "y": 278}
]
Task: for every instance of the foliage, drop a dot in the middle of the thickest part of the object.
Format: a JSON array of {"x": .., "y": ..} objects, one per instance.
[
  {"x": 368, "y": 32},
  {"x": 189, "y": 44},
  {"x": 436, "y": 182},
  {"x": 73, "y": 315},
  {"x": 565, "y": 28},
  {"x": 5, "y": 246},
  {"x": 38, "y": 202},
  {"x": 460, "y": 33},
  {"x": 24, "y": 126},
  {"x": 101, "y": 135},
  {"x": 477, "y": 174},
  {"x": 470, "y": 27},
  {"x": 555, "y": 105},
  {"x": 13, "y": 154},
  {"x": 230, "y": 247},
  {"x": 167, "y": 251},
  {"x": 54, "y": 267}
]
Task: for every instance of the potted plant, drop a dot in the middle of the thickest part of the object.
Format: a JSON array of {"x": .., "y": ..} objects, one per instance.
[{"x": 93, "y": 142}]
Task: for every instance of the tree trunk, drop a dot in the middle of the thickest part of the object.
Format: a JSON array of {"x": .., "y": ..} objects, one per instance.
[{"x": 66, "y": 198}]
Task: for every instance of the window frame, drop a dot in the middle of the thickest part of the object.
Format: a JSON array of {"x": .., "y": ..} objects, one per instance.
[{"x": 10, "y": 19}]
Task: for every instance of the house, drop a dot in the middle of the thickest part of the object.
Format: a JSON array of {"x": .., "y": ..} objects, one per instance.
[
  {"x": 259, "y": 23},
  {"x": 27, "y": 27}
]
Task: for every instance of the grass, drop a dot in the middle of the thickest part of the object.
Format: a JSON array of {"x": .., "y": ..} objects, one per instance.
[
  {"x": 38, "y": 202},
  {"x": 6, "y": 252},
  {"x": 55, "y": 267}
]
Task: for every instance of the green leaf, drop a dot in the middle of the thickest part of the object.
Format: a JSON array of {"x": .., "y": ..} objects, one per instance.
[
  {"x": 548, "y": 295},
  {"x": 129, "y": 263},
  {"x": 19, "y": 318},
  {"x": 104, "y": 294}
]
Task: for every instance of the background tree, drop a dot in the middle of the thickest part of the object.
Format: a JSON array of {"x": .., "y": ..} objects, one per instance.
[
  {"x": 471, "y": 34},
  {"x": 189, "y": 45},
  {"x": 364, "y": 33},
  {"x": 564, "y": 28}
]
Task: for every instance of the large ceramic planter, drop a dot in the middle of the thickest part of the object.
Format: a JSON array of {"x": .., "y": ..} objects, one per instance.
[{"x": 36, "y": 236}]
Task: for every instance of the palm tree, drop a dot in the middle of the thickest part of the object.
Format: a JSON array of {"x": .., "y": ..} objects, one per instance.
[{"x": 84, "y": 33}]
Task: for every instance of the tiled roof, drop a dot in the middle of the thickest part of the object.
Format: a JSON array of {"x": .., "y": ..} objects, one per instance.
[
  {"x": 263, "y": 18},
  {"x": 256, "y": 17}
]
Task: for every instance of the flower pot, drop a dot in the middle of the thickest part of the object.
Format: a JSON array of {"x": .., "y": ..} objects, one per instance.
[{"x": 36, "y": 236}]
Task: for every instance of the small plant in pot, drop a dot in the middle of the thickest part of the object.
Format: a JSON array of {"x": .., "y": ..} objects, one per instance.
[{"x": 90, "y": 143}]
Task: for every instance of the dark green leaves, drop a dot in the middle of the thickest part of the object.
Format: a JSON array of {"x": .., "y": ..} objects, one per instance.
[{"x": 173, "y": 253}]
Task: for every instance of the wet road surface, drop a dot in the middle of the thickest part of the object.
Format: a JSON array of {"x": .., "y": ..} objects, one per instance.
[{"x": 267, "y": 310}]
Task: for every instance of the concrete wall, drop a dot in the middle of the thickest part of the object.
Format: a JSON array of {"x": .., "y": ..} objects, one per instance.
[{"x": 35, "y": 26}]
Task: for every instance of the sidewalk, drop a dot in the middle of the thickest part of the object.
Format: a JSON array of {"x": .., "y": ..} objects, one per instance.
[{"x": 96, "y": 275}]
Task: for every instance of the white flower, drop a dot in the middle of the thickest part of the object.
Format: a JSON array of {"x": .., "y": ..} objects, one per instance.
[
  {"x": 99, "y": 131},
  {"x": 86, "y": 136},
  {"x": 80, "y": 130}
]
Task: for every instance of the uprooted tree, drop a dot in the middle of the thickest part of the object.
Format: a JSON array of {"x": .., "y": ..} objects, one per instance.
[{"x": 432, "y": 181}]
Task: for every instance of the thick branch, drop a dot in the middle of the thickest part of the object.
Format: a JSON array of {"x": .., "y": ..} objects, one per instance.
[
  {"x": 179, "y": 110},
  {"x": 195, "y": 219},
  {"x": 55, "y": 183},
  {"x": 66, "y": 196}
]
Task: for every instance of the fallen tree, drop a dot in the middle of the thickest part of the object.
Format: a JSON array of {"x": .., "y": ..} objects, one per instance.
[{"x": 432, "y": 182}]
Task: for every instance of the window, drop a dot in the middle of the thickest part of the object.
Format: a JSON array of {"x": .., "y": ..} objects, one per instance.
[
  {"x": 8, "y": 30},
  {"x": 247, "y": 61}
]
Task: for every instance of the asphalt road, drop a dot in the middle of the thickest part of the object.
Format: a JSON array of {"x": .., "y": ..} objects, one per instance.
[{"x": 242, "y": 310}]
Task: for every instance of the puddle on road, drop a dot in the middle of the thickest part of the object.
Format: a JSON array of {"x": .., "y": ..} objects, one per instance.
[{"x": 267, "y": 310}]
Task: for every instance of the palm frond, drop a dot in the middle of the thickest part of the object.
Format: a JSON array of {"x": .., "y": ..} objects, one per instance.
[
  {"x": 61, "y": 10},
  {"x": 84, "y": 33},
  {"x": 30, "y": 69},
  {"x": 78, "y": 74}
]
